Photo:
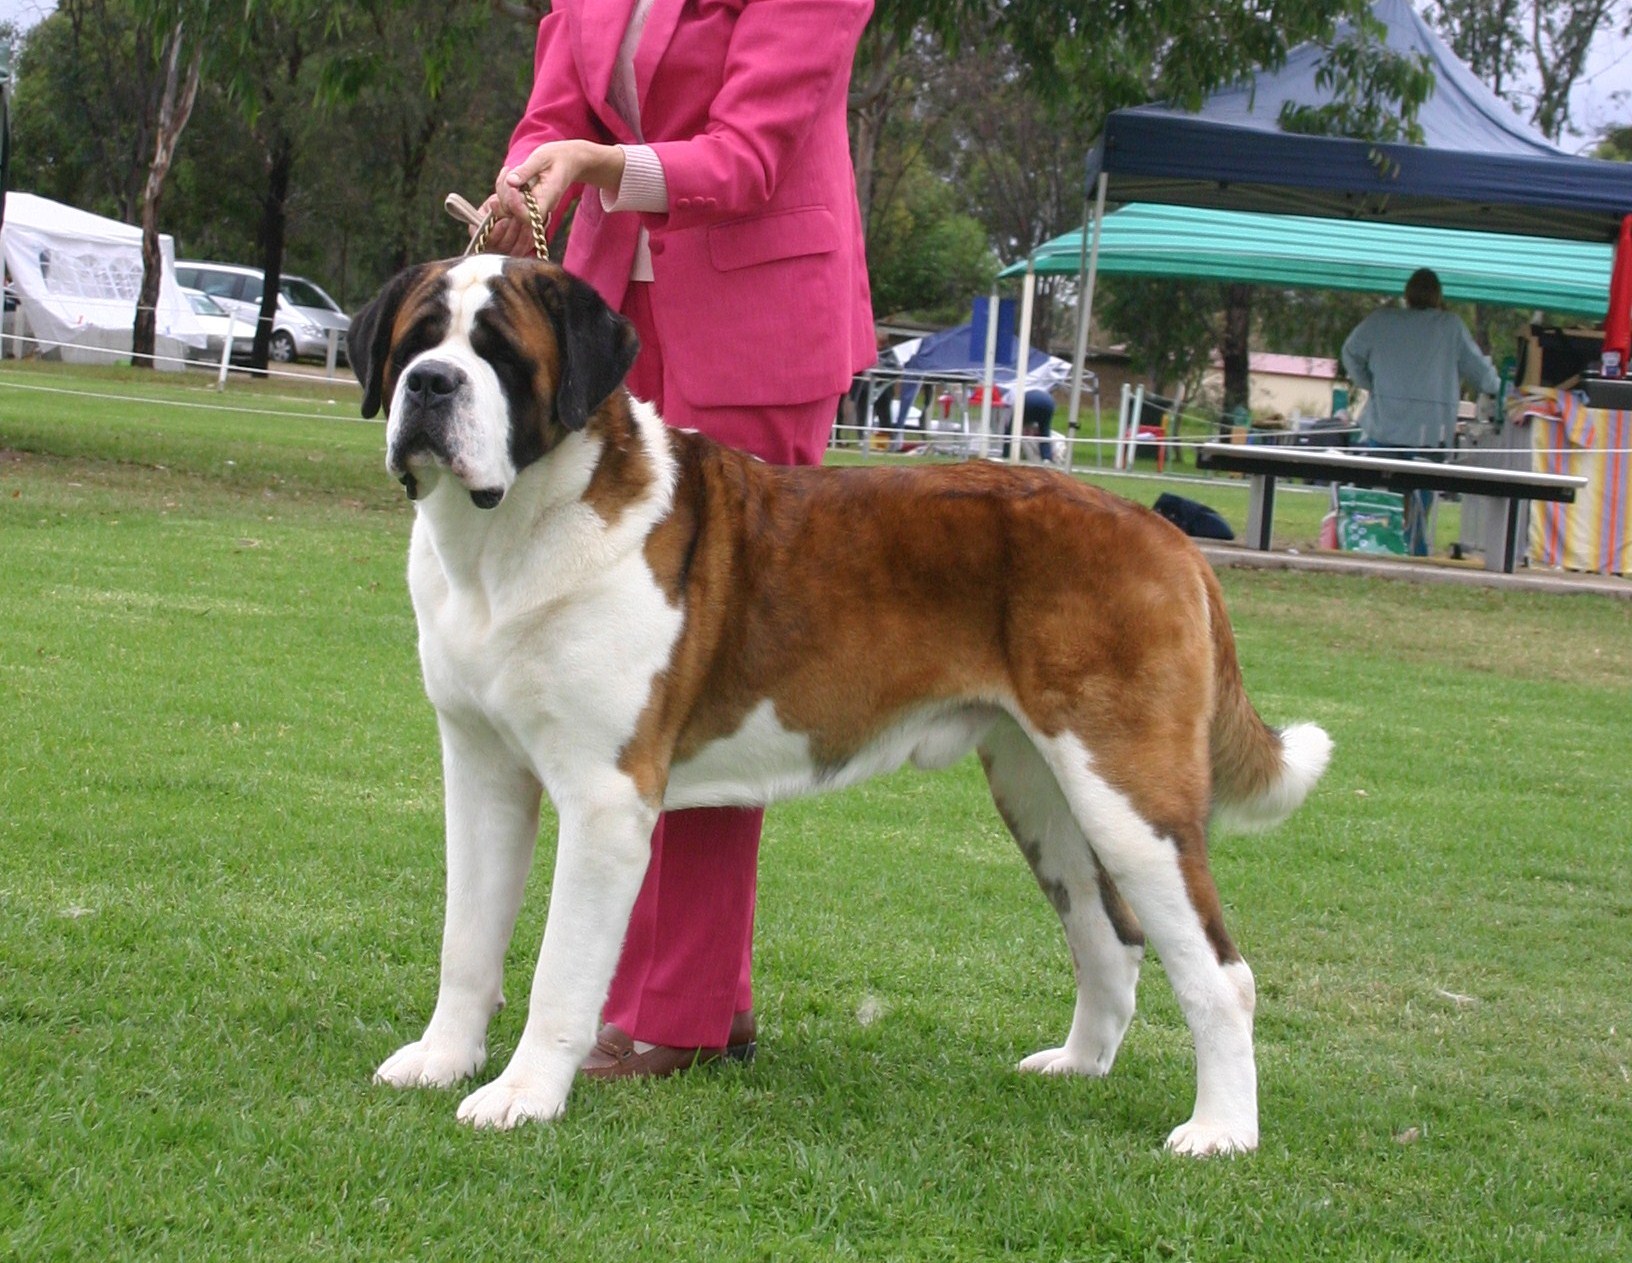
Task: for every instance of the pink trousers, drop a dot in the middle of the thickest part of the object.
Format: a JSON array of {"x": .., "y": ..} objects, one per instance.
[{"x": 688, "y": 958}]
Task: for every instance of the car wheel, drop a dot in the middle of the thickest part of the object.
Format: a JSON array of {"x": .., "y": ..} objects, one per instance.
[{"x": 281, "y": 348}]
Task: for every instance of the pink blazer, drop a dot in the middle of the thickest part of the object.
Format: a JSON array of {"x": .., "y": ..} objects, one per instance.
[{"x": 760, "y": 278}]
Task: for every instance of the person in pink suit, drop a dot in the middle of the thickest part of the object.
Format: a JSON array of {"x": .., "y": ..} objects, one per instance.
[{"x": 705, "y": 143}]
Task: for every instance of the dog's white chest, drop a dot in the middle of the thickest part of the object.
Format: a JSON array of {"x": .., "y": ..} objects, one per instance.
[{"x": 559, "y": 665}]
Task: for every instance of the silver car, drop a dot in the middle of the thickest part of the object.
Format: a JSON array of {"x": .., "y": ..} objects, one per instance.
[{"x": 303, "y": 319}]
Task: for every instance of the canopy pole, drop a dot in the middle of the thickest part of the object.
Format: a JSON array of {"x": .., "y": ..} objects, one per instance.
[
  {"x": 1087, "y": 275},
  {"x": 1022, "y": 363},
  {"x": 988, "y": 377}
]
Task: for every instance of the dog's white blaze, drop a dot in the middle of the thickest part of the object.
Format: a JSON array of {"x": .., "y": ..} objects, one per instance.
[
  {"x": 1217, "y": 999},
  {"x": 479, "y": 436}
]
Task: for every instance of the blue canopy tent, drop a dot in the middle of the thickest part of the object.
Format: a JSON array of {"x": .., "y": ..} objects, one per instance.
[
  {"x": 958, "y": 353},
  {"x": 1480, "y": 167},
  {"x": 958, "y": 356}
]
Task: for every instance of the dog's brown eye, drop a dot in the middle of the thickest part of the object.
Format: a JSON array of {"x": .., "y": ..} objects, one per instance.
[{"x": 424, "y": 335}]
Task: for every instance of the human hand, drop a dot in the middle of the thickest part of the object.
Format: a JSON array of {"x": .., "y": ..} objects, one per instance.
[
  {"x": 505, "y": 235},
  {"x": 554, "y": 168}
]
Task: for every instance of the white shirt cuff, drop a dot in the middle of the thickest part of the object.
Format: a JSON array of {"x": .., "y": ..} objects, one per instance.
[{"x": 643, "y": 187}]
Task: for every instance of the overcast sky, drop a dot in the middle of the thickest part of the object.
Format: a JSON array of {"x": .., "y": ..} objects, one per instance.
[
  {"x": 25, "y": 12},
  {"x": 1601, "y": 100}
]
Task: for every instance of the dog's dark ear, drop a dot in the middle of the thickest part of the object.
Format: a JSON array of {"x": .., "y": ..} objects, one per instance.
[
  {"x": 368, "y": 340},
  {"x": 597, "y": 346}
]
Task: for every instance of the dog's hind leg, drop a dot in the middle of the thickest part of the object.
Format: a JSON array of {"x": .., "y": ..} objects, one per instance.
[
  {"x": 1148, "y": 831},
  {"x": 1104, "y": 939},
  {"x": 492, "y": 825}
]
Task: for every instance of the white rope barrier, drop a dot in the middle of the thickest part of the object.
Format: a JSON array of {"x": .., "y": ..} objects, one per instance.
[
  {"x": 9, "y": 383},
  {"x": 117, "y": 357}
]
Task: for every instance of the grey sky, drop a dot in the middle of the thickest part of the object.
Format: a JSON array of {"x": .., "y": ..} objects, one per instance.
[{"x": 25, "y": 12}]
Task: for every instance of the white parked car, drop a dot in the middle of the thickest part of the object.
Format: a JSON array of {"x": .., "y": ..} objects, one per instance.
[
  {"x": 215, "y": 318},
  {"x": 305, "y": 314}
]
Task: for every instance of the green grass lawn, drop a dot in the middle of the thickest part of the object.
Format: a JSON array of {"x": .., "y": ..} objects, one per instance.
[{"x": 220, "y": 876}]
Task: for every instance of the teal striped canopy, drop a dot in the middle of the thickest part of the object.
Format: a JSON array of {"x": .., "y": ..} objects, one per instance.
[{"x": 1186, "y": 242}]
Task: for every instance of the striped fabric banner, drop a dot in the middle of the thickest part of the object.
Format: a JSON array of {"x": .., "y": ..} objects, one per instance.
[{"x": 1594, "y": 533}]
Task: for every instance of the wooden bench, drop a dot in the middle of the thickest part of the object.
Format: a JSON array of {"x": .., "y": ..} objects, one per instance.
[{"x": 1265, "y": 463}]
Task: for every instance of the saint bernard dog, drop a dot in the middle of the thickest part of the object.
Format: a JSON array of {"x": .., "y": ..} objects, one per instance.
[{"x": 632, "y": 618}]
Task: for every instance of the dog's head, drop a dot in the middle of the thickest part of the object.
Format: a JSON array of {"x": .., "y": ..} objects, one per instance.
[{"x": 483, "y": 365}]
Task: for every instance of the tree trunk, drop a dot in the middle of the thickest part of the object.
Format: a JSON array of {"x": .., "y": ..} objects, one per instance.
[
  {"x": 416, "y": 151},
  {"x": 1233, "y": 346},
  {"x": 175, "y": 108},
  {"x": 869, "y": 105},
  {"x": 274, "y": 227}
]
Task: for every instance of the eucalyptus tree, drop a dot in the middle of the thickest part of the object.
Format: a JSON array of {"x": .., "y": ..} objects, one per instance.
[
  {"x": 83, "y": 127},
  {"x": 1532, "y": 53},
  {"x": 181, "y": 56},
  {"x": 270, "y": 63},
  {"x": 105, "y": 91}
]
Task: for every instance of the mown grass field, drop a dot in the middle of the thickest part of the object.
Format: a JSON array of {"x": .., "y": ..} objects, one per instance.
[{"x": 220, "y": 897}]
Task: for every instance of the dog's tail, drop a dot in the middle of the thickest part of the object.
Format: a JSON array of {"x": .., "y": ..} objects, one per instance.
[{"x": 1260, "y": 774}]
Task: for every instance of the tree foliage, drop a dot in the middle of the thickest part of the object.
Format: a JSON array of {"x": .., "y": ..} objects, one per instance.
[
  {"x": 81, "y": 122},
  {"x": 1501, "y": 40},
  {"x": 325, "y": 135},
  {"x": 1170, "y": 328},
  {"x": 1374, "y": 93},
  {"x": 1615, "y": 145}
]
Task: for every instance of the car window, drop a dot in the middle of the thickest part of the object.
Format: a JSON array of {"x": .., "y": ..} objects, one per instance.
[
  {"x": 187, "y": 278},
  {"x": 253, "y": 288},
  {"x": 204, "y": 305},
  {"x": 218, "y": 284},
  {"x": 302, "y": 293}
]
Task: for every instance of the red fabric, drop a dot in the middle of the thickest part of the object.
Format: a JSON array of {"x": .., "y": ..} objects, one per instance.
[
  {"x": 687, "y": 960},
  {"x": 1618, "y": 323}
]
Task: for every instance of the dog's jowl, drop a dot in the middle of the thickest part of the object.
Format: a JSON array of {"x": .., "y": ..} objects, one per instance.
[{"x": 630, "y": 618}]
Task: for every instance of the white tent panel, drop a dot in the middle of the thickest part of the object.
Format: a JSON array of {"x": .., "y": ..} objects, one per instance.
[{"x": 77, "y": 276}]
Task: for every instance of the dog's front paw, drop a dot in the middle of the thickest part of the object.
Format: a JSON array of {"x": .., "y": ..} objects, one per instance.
[
  {"x": 1064, "y": 1061},
  {"x": 504, "y": 1104},
  {"x": 429, "y": 1064},
  {"x": 1197, "y": 1139}
]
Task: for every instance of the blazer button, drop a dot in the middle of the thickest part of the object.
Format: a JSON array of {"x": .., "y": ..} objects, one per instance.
[
  {"x": 656, "y": 247},
  {"x": 684, "y": 203}
]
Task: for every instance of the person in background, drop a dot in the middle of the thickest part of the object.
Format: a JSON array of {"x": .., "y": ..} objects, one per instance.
[
  {"x": 718, "y": 212},
  {"x": 1411, "y": 361},
  {"x": 1037, "y": 422}
]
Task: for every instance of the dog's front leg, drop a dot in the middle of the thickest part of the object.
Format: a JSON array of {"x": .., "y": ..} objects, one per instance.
[
  {"x": 600, "y": 860},
  {"x": 492, "y": 825}
]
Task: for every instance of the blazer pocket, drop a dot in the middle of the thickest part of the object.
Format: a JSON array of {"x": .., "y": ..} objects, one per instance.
[{"x": 789, "y": 234}]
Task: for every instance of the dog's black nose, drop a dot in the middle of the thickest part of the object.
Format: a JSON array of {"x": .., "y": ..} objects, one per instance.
[{"x": 432, "y": 383}]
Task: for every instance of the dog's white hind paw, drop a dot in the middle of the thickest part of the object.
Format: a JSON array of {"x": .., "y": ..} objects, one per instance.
[
  {"x": 1064, "y": 1061},
  {"x": 424, "y": 1064},
  {"x": 1204, "y": 1140},
  {"x": 502, "y": 1105}
]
